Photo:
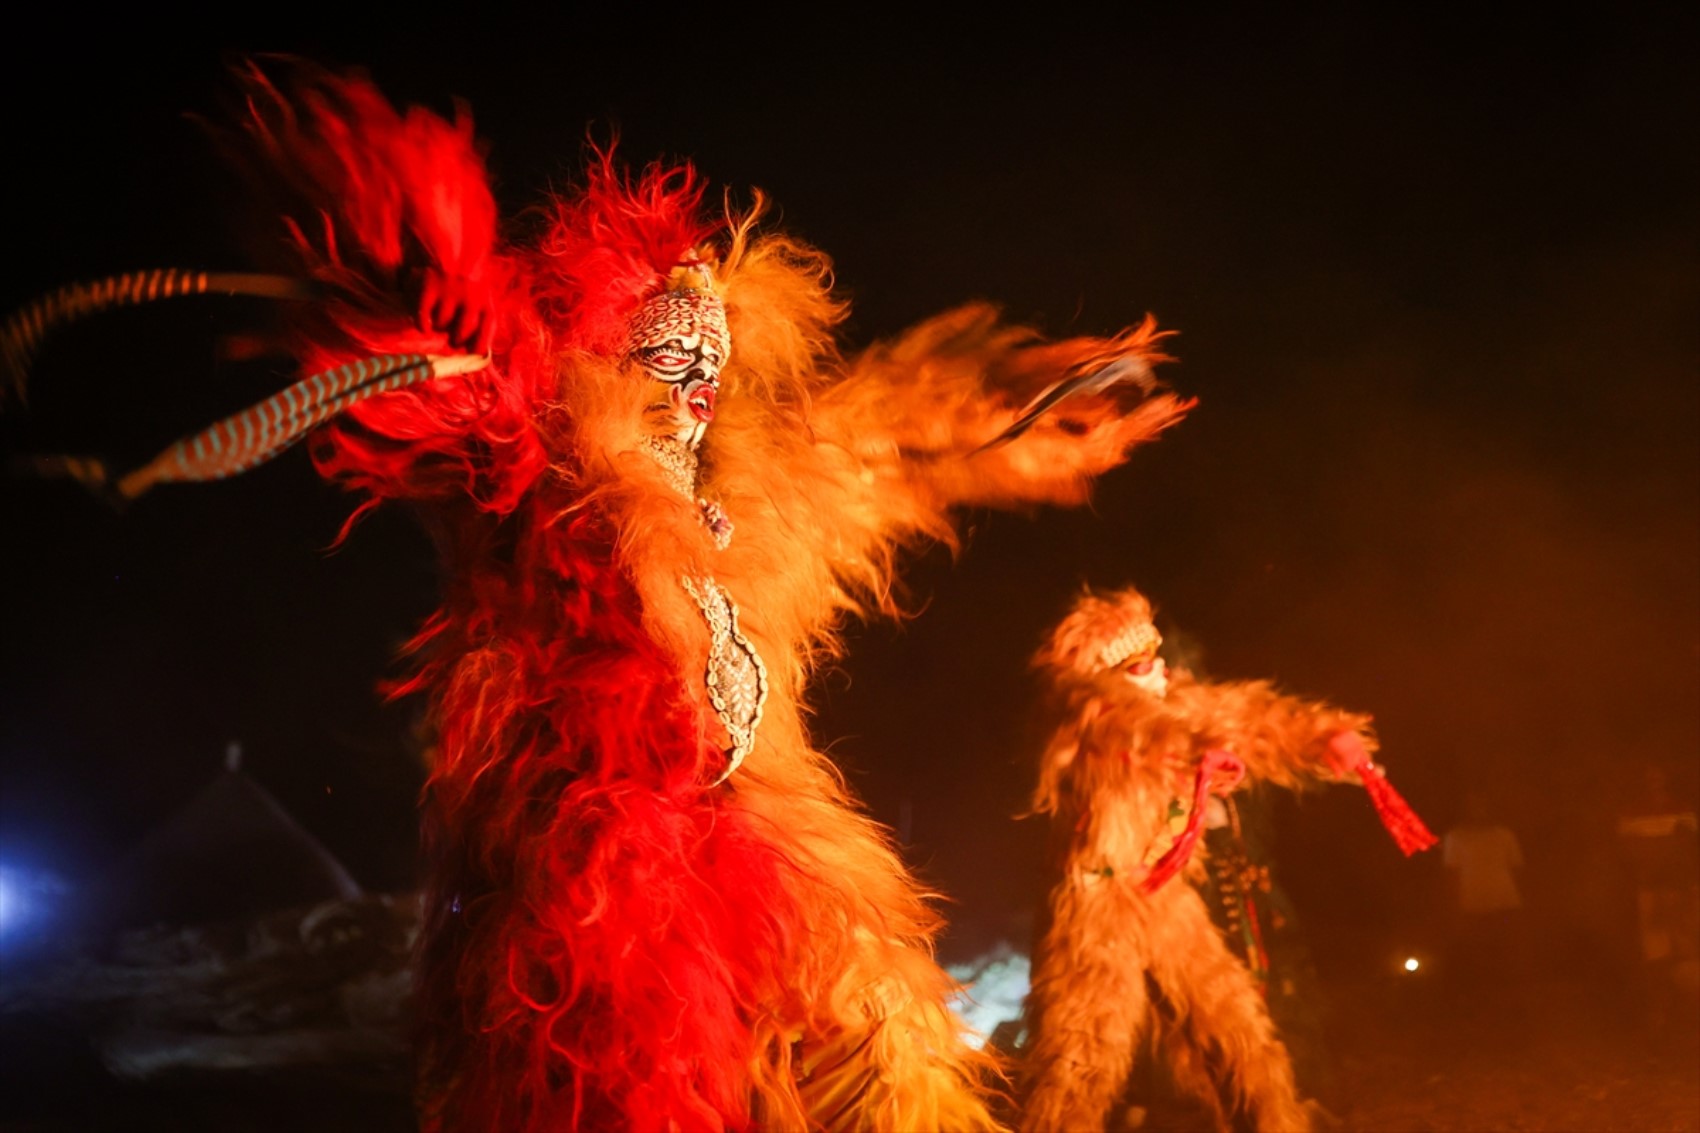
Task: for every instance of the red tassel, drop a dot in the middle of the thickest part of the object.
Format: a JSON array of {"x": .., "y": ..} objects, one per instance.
[
  {"x": 1218, "y": 772},
  {"x": 1401, "y": 821}
]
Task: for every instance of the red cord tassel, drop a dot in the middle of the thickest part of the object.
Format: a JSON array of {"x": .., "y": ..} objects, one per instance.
[
  {"x": 1396, "y": 814},
  {"x": 1219, "y": 771}
]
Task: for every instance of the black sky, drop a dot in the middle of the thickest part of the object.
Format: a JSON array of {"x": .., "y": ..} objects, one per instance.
[{"x": 1436, "y": 286}]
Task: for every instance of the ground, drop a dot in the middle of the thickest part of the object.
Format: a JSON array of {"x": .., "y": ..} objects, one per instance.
[
  {"x": 1573, "y": 1060},
  {"x": 1560, "y": 1057}
]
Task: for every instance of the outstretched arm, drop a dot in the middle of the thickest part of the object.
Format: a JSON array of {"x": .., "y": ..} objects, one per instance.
[
  {"x": 877, "y": 451},
  {"x": 930, "y": 414},
  {"x": 1282, "y": 739},
  {"x": 1289, "y": 742}
]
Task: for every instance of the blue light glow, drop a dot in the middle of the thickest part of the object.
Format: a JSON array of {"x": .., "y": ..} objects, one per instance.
[
  {"x": 29, "y": 900},
  {"x": 997, "y": 986},
  {"x": 13, "y": 908}
]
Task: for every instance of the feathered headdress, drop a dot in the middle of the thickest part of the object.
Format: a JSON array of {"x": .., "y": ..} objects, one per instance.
[
  {"x": 614, "y": 245},
  {"x": 340, "y": 168}
]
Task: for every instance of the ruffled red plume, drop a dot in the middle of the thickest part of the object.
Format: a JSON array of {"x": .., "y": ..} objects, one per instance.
[
  {"x": 610, "y": 245},
  {"x": 355, "y": 165},
  {"x": 374, "y": 200}
]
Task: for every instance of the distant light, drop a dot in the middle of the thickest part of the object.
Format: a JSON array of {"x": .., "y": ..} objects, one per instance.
[
  {"x": 11, "y": 902},
  {"x": 997, "y": 986},
  {"x": 1411, "y": 964},
  {"x": 27, "y": 901}
]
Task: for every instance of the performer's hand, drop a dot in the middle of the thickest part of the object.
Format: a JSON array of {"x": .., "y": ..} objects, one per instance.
[
  {"x": 1221, "y": 771},
  {"x": 460, "y": 309},
  {"x": 1348, "y": 756}
]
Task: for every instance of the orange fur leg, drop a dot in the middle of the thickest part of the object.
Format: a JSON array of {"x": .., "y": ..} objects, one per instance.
[
  {"x": 904, "y": 1065},
  {"x": 1189, "y": 1069},
  {"x": 1221, "y": 1017},
  {"x": 1088, "y": 1009}
]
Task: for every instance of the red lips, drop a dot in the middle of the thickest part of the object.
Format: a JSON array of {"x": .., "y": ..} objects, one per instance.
[{"x": 699, "y": 398}]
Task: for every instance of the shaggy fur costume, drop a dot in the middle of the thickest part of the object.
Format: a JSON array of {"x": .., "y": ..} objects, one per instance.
[
  {"x": 614, "y": 937},
  {"x": 1123, "y": 954}
]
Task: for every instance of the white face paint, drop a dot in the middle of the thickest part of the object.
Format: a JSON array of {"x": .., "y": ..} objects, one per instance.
[
  {"x": 686, "y": 369},
  {"x": 680, "y": 339},
  {"x": 1152, "y": 676}
]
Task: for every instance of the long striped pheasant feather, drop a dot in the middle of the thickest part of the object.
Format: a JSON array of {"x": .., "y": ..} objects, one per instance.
[
  {"x": 260, "y": 432},
  {"x": 24, "y": 330}
]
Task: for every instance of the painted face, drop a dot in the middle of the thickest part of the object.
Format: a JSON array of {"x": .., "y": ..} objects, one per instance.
[
  {"x": 681, "y": 341},
  {"x": 1133, "y": 653},
  {"x": 1151, "y": 675}
]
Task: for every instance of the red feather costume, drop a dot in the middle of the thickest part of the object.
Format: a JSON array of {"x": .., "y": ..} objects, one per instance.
[
  {"x": 1128, "y": 948},
  {"x": 651, "y": 903}
]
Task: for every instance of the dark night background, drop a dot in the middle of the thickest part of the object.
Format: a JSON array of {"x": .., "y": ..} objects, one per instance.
[{"x": 1435, "y": 282}]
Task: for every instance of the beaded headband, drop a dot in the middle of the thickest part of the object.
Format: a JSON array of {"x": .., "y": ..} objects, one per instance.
[
  {"x": 687, "y": 307},
  {"x": 1139, "y": 640}
]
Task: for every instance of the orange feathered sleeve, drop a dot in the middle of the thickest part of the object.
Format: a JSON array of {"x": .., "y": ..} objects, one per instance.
[
  {"x": 1281, "y": 739},
  {"x": 922, "y": 412},
  {"x": 835, "y": 465}
]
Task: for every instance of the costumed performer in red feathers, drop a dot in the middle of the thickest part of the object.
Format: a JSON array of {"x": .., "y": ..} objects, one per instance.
[
  {"x": 659, "y": 489},
  {"x": 1127, "y": 953}
]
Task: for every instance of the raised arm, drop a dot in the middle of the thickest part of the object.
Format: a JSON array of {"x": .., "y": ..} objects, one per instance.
[
  {"x": 390, "y": 214},
  {"x": 829, "y": 466},
  {"x": 930, "y": 414}
]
